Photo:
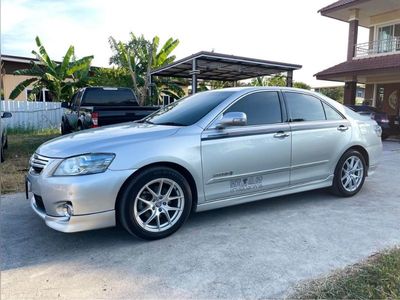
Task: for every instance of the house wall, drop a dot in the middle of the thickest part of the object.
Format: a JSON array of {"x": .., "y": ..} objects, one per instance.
[
  {"x": 385, "y": 17},
  {"x": 10, "y": 82}
]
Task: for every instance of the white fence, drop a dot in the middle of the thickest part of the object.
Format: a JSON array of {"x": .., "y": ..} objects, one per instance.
[{"x": 29, "y": 115}]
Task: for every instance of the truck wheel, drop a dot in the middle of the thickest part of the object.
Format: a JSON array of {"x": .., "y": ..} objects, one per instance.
[{"x": 155, "y": 203}]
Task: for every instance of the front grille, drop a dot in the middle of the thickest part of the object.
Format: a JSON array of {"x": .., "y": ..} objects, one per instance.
[
  {"x": 39, "y": 202},
  {"x": 38, "y": 163}
]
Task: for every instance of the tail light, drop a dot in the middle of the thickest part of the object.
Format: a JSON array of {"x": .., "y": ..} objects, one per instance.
[
  {"x": 385, "y": 119},
  {"x": 95, "y": 119},
  {"x": 378, "y": 130}
]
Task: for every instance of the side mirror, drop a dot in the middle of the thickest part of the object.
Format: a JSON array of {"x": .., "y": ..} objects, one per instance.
[
  {"x": 65, "y": 104},
  {"x": 232, "y": 119},
  {"x": 6, "y": 114}
]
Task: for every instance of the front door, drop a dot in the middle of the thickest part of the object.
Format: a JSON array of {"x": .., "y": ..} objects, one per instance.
[{"x": 246, "y": 160}]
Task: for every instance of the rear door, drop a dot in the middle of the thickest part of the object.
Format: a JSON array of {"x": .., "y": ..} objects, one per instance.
[
  {"x": 246, "y": 160},
  {"x": 319, "y": 135}
]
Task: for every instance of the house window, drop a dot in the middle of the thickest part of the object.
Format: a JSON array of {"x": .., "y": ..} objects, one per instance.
[
  {"x": 43, "y": 96},
  {"x": 389, "y": 38}
]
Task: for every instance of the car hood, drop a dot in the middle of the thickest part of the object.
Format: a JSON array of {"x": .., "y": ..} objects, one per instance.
[{"x": 103, "y": 139}]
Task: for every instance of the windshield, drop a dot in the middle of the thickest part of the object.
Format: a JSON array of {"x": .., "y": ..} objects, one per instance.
[
  {"x": 109, "y": 96},
  {"x": 189, "y": 110}
]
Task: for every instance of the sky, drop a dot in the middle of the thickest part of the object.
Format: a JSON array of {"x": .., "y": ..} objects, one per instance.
[{"x": 280, "y": 30}]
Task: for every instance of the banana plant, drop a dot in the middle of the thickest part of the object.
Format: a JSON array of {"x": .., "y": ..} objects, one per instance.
[
  {"x": 139, "y": 56},
  {"x": 61, "y": 79}
]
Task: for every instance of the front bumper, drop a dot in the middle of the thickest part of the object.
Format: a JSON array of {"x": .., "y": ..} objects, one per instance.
[
  {"x": 76, "y": 223},
  {"x": 92, "y": 198}
]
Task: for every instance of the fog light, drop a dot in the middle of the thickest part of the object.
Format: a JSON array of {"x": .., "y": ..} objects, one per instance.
[{"x": 65, "y": 209}]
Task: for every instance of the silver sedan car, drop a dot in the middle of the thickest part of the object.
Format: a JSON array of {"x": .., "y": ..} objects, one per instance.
[{"x": 206, "y": 151}]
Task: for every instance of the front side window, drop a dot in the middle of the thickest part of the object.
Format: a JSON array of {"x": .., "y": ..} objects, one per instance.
[
  {"x": 260, "y": 108},
  {"x": 304, "y": 107}
]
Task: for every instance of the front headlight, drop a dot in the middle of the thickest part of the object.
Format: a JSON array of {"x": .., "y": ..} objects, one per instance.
[{"x": 84, "y": 164}]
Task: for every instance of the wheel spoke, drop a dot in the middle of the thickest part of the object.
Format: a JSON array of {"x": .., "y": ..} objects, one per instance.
[
  {"x": 174, "y": 198},
  {"x": 153, "y": 215},
  {"x": 158, "y": 222},
  {"x": 151, "y": 191},
  {"x": 167, "y": 207},
  {"x": 347, "y": 181},
  {"x": 160, "y": 188},
  {"x": 144, "y": 210},
  {"x": 352, "y": 162},
  {"x": 167, "y": 215},
  {"x": 149, "y": 203},
  {"x": 170, "y": 190}
]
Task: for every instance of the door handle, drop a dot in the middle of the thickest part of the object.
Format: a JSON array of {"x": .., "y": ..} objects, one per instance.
[
  {"x": 281, "y": 135},
  {"x": 342, "y": 128}
]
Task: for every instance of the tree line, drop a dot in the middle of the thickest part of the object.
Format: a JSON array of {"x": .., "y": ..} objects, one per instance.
[{"x": 132, "y": 62}]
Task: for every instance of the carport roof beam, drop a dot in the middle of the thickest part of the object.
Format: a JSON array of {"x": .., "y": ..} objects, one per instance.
[{"x": 223, "y": 67}]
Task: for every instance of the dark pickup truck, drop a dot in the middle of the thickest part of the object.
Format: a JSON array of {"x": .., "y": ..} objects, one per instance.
[{"x": 98, "y": 106}]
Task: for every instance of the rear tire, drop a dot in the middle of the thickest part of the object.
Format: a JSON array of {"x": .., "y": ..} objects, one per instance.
[
  {"x": 350, "y": 174},
  {"x": 150, "y": 212}
]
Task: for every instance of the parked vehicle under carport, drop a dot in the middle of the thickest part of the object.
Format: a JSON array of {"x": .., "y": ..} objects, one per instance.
[
  {"x": 99, "y": 106},
  {"x": 380, "y": 117}
]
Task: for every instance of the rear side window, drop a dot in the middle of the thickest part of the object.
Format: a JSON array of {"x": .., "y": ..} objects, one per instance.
[
  {"x": 109, "y": 96},
  {"x": 331, "y": 114},
  {"x": 304, "y": 107},
  {"x": 260, "y": 108}
]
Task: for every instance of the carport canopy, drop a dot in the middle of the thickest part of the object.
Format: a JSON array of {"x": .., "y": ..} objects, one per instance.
[{"x": 222, "y": 67}]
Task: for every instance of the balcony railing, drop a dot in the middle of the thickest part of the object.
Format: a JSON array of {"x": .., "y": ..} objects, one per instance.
[{"x": 388, "y": 46}]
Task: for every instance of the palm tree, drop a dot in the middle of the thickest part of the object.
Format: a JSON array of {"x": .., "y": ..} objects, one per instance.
[
  {"x": 61, "y": 79},
  {"x": 139, "y": 56}
]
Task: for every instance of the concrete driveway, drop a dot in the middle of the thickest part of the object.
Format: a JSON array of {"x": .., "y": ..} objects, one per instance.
[{"x": 257, "y": 250}]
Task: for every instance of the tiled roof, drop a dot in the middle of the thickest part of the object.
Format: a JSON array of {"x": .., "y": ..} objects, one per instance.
[
  {"x": 338, "y": 4},
  {"x": 363, "y": 65}
]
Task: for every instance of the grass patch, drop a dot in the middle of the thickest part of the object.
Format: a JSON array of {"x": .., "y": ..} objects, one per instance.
[
  {"x": 378, "y": 277},
  {"x": 20, "y": 148}
]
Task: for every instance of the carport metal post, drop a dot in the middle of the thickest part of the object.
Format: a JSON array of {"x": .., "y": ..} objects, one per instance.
[
  {"x": 289, "y": 78},
  {"x": 194, "y": 73}
]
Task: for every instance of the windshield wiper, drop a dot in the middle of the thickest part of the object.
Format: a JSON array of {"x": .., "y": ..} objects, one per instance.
[{"x": 171, "y": 124}]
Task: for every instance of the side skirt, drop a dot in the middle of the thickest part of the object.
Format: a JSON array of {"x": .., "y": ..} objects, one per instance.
[{"x": 265, "y": 195}]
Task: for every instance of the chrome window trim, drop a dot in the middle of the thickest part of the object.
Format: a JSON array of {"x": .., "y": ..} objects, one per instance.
[{"x": 239, "y": 131}]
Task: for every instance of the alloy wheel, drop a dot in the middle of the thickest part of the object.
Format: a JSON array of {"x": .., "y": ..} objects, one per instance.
[
  {"x": 159, "y": 205},
  {"x": 352, "y": 173}
]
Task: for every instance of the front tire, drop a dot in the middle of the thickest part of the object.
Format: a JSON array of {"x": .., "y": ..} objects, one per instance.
[
  {"x": 350, "y": 174},
  {"x": 155, "y": 203}
]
